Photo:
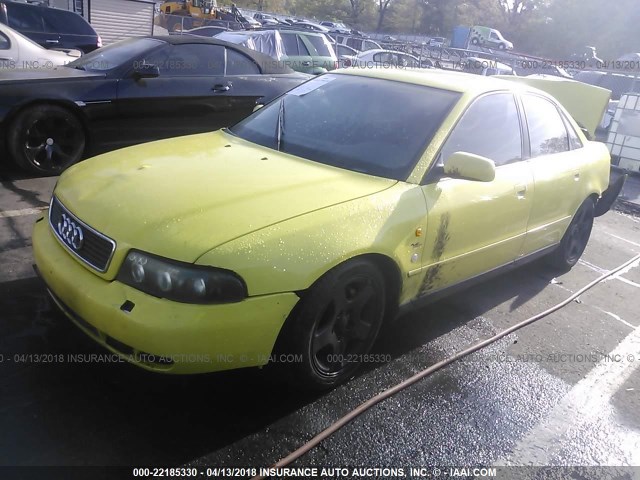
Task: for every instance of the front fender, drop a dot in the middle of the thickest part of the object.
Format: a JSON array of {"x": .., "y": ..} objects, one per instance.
[{"x": 292, "y": 255}]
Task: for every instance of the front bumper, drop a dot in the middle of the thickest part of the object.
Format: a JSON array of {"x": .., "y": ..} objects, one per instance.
[{"x": 154, "y": 333}]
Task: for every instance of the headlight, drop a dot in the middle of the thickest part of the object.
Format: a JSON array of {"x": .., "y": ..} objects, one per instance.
[{"x": 180, "y": 282}]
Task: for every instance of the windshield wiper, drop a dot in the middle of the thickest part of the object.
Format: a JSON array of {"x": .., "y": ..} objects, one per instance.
[{"x": 280, "y": 126}]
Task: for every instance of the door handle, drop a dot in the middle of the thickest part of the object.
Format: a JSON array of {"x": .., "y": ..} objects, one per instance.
[
  {"x": 52, "y": 41},
  {"x": 222, "y": 88},
  {"x": 576, "y": 177},
  {"x": 306, "y": 64},
  {"x": 521, "y": 191}
]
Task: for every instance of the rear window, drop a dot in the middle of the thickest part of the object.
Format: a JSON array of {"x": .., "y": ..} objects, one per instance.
[
  {"x": 343, "y": 120},
  {"x": 60, "y": 21}
]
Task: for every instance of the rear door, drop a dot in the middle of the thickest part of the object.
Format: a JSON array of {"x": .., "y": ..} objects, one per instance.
[
  {"x": 298, "y": 55},
  {"x": 323, "y": 55},
  {"x": 473, "y": 226},
  {"x": 557, "y": 162},
  {"x": 27, "y": 19},
  {"x": 71, "y": 29}
]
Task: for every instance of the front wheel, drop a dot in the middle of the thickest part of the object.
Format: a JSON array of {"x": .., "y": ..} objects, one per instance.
[
  {"x": 575, "y": 238},
  {"x": 335, "y": 324},
  {"x": 46, "y": 139}
]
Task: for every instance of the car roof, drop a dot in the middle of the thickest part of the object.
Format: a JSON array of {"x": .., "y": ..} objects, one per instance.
[{"x": 444, "y": 79}]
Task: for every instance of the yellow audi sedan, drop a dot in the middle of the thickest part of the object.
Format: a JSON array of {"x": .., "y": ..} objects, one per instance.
[{"x": 294, "y": 235}]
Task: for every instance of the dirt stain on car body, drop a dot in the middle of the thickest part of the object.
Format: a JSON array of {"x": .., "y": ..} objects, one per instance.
[{"x": 434, "y": 273}]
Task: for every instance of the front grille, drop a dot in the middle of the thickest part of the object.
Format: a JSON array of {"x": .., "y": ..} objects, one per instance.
[{"x": 80, "y": 239}]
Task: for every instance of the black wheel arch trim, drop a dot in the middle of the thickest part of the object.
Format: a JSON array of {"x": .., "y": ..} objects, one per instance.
[{"x": 617, "y": 178}]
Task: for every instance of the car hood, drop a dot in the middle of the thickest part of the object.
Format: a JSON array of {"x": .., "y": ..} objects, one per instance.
[
  {"x": 58, "y": 73},
  {"x": 182, "y": 197}
]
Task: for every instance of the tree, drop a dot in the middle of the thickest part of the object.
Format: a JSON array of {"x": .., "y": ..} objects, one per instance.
[{"x": 383, "y": 6}]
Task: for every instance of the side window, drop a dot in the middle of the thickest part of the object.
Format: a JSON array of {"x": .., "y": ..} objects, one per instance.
[
  {"x": 24, "y": 19},
  {"x": 547, "y": 132},
  {"x": 290, "y": 43},
  {"x": 189, "y": 60},
  {"x": 302, "y": 48},
  {"x": 5, "y": 44},
  {"x": 574, "y": 140},
  {"x": 61, "y": 21},
  {"x": 491, "y": 128},
  {"x": 320, "y": 45},
  {"x": 240, "y": 64}
]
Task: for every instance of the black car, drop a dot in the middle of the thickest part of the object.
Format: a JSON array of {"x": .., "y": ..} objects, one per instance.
[
  {"x": 50, "y": 27},
  {"x": 132, "y": 91}
]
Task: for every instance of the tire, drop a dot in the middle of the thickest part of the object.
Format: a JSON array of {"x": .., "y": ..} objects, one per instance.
[
  {"x": 475, "y": 41},
  {"x": 575, "y": 238},
  {"x": 46, "y": 139},
  {"x": 502, "y": 46},
  {"x": 333, "y": 324}
]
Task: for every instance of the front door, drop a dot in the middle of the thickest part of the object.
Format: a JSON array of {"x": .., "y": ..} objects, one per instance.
[
  {"x": 190, "y": 95},
  {"x": 472, "y": 226}
]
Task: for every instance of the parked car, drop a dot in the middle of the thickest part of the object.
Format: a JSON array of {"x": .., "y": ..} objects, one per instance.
[
  {"x": 265, "y": 18},
  {"x": 50, "y": 27},
  {"x": 489, "y": 38},
  {"x": 18, "y": 51},
  {"x": 381, "y": 58},
  {"x": 346, "y": 55},
  {"x": 132, "y": 91},
  {"x": 359, "y": 43},
  {"x": 437, "y": 42},
  {"x": 306, "y": 226},
  {"x": 304, "y": 50},
  {"x": 336, "y": 27},
  {"x": 314, "y": 27},
  {"x": 268, "y": 42}
]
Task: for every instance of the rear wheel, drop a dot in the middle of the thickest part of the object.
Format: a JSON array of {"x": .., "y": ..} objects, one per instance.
[
  {"x": 475, "y": 41},
  {"x": 335, "y": 323},
  {"x": 46, "y": 139},
  {"x": 575, "y": 238}
]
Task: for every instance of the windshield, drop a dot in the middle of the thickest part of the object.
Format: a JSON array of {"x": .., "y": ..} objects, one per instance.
[
  {"x": 112, "y": 56},
  {"x": 369, "y": 125}
]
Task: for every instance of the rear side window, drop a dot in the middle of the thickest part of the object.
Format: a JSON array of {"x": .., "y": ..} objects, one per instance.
[
  {"x": 490, "y": 128},
  {"x": 240, "y": 64},
  {"x": 292, "y": 45},
  {"x": 4, "y": 42},
  {"x": 320, "y": 45},
  {"x": 60, "y": 21},
  {"x": 24, "y": 18},
  {"x": 547, "y": 132}
]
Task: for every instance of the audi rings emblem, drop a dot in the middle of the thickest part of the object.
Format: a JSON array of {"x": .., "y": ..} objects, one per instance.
[{"x": 70, "y": 232}]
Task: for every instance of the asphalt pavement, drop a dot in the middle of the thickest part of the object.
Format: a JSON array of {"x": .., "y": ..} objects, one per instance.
[{"x": 563, "y": 391}]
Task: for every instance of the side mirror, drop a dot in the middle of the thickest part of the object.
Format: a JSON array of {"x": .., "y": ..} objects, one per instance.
[
  {"x": 258, "y": 107},
  {"x": 470, "y": 166},
  {"x": 146, "y": 70}
]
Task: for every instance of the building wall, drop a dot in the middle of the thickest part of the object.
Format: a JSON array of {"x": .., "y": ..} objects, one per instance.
[{"x": 118, "y": 19}]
